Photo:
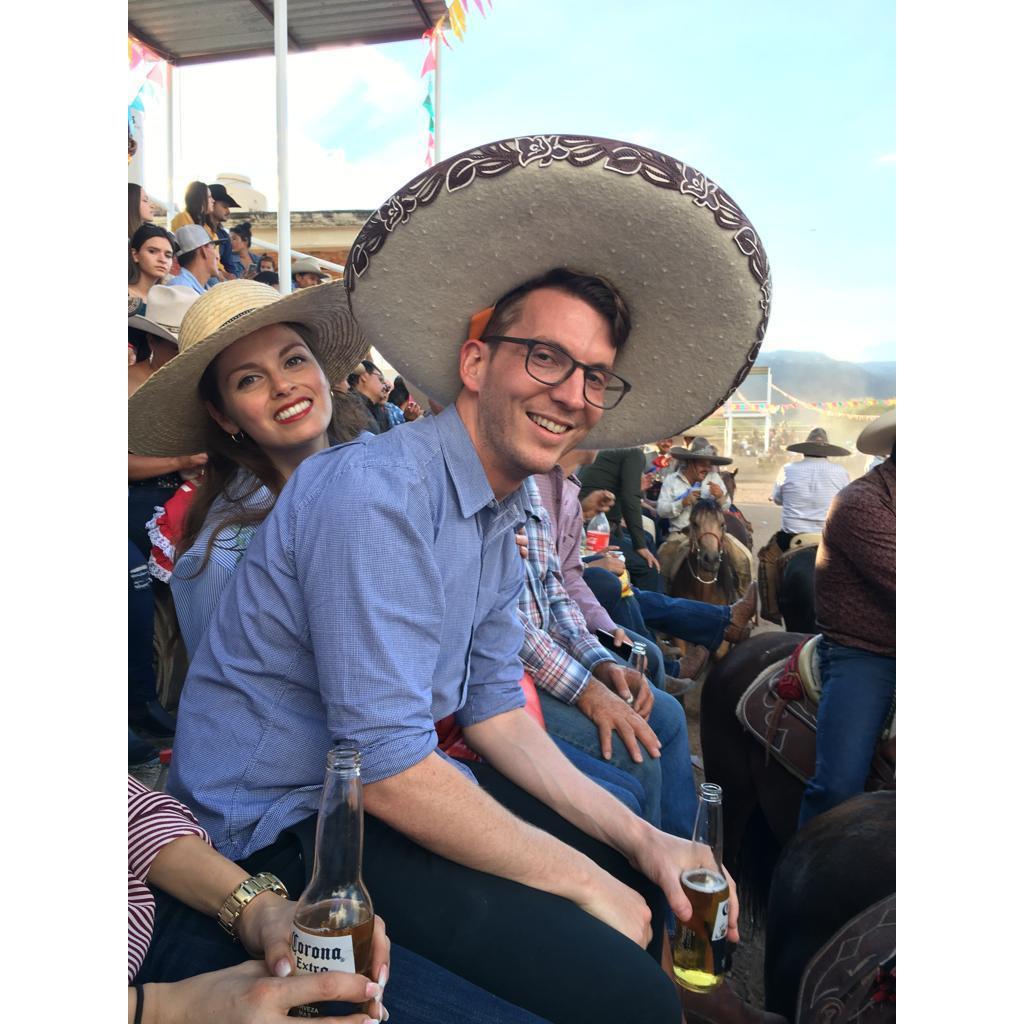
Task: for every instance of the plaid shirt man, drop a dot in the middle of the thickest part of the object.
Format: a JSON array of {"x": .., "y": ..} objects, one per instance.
[{"x": 558, "y": 649}]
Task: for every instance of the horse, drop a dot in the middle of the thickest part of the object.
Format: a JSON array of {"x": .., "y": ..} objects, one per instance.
[
  {"x": 836, "y": 868},
  {"x": 705, "y": 574},
  {"x": 762, "y": 797},
  {"x": 761, "y": 802},
  {"x": 796, "y": 591}
]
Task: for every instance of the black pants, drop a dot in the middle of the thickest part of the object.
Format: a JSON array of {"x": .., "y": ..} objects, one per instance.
[{"x": 536, "y": 950}]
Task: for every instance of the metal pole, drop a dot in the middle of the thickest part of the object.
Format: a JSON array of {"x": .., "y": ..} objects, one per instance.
[
  {"x": 170, "y": 145},
  {"x": 437, "y": 96},
  {"x": 284, "y": 220}
]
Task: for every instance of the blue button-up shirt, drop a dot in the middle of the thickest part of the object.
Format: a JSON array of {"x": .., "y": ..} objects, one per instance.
[
  {"x": 311, "y": 644},
  {"x": 188, "y": 279}
]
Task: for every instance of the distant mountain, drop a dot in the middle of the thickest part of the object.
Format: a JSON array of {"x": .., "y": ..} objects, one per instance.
[{"x": 815, "y": 377}]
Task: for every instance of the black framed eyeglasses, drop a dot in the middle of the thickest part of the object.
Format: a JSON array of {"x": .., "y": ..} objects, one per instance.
[{"x": 548, "y": 364}]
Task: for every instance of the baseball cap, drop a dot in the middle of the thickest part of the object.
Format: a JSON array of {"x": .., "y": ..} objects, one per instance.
[{"x": 190, "y": 237}]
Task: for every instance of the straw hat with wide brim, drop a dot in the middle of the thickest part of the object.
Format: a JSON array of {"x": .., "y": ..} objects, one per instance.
[
  {"x": 700, "y": 449},
  {"x": 818, "y": 446},
  {"x": 166, "y": 415},
  {"x": 680, "y": 251},
  {"x": 878, "y": 437}
]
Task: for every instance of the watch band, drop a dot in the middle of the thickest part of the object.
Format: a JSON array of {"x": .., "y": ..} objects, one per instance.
[{"x": 243, "y": 895}]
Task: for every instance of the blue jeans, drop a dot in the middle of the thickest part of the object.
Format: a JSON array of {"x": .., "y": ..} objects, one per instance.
[
  {"x": 692, "y": 621},
  {"x": 141, "y": 675},
  {"x": 186, "y": 943},
  {"x": 621, "y": 786},
  {"x": 670, "y": 798},
  {"x": 857, "y": 690}
]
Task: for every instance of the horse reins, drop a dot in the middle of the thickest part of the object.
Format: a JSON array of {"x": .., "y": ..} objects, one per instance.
[{"x": 695, "y": 549}]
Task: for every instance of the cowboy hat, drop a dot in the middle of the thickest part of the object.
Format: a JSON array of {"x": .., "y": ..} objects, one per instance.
[
  {"x": 700, "y": 448},
  {"x": 308, "y": 265},
  {"x": 817, "y": 446},
  {"x": 165, "y": 307},
  {"x": 166, "y": 416},
  {"x": 678, "y": 249},
  {"x": 878, "y": 437}
]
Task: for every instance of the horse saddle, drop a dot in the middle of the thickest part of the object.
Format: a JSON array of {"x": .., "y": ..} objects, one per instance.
[
  {"x": 853, "y": 976},
  {"x": 780, "y": 710}
]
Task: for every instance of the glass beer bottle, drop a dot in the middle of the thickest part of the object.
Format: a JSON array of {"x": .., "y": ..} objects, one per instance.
[
  {"x": 700, "y": 951},
  {"x": 333, "y": 928}
]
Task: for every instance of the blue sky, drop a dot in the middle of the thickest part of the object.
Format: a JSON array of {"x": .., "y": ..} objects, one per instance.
[{"x": 790, "y": 106}]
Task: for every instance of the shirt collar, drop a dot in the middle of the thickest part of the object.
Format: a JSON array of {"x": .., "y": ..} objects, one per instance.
[{"x": 467, "y": 472}]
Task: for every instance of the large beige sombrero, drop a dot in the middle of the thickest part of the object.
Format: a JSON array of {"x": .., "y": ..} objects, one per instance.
[
  {"x": 166, "y": 415},
  {"x": 878, "y": 437},
  {"x": 685, "y": 258}
]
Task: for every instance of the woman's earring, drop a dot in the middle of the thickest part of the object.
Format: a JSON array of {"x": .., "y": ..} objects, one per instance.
[{"x": 237, "y": 438}]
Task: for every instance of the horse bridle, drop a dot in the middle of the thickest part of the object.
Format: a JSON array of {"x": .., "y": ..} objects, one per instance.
[{"x": 695, "y": 548}]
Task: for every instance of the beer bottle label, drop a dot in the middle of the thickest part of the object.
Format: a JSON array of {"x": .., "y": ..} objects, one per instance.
[
  {"x": 721, "y": 921},
  {"x": 315, "y": 953}
]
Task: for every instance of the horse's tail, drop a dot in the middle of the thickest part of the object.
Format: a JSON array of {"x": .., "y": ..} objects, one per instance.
[{"x": 756, "y": 860}]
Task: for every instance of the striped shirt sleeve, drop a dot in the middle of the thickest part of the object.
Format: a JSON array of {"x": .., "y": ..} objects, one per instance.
[{"x": 154, "y": 820}]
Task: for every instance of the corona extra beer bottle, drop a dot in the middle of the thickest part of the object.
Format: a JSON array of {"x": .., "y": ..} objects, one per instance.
[
  {"x": 700, "y": 950},
  {"x": 333, "y": 928}
]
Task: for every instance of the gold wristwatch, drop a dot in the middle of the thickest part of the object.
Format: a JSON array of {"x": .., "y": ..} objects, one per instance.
[{"x": 243, "y": 895}]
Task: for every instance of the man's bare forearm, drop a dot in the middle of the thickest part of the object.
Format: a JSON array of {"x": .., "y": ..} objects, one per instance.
[
  {"x": 516, "y": 746},
  {"x": 437, "y": 807}
]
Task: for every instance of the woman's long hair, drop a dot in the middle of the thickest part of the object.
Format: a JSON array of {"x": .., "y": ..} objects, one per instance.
[
  {"x": 135, "y": 220},
  {"x": 228, "y": 459},
  {"x": 195, "y": 202}
]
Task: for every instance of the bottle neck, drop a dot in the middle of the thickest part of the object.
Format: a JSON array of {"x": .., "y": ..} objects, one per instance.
[
  {"x": 708, "y": 826},
  {"x": 339, "y": 829}
]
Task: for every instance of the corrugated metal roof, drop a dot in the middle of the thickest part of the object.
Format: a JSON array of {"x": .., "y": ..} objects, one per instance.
[{"x": 199, "y": 31}]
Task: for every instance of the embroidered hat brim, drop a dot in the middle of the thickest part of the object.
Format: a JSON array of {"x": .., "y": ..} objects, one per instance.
[
  {"x": 166, "y": 415},
  {"x": 878, "y": 437},
  {"x": 681, "y": 252}
]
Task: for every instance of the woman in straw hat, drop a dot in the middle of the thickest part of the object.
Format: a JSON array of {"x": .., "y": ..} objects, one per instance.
[{"x": 251, "y": 387}]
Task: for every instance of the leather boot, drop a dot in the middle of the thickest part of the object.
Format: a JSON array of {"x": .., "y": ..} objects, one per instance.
[
  {"x": 692, "y": 662},
  {"x": 743, "y": 618},
  {"x": 722, "y": 1006}
]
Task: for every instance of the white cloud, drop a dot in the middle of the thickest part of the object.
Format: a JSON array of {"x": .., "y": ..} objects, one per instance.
[
  {"x": 854, "y": 324},
  {"x": 885, "y": 159}
]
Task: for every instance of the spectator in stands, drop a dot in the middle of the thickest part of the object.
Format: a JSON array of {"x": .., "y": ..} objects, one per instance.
[
  {"x": 267, "y": 263},
  {"x": 263, "y": 419},
  {"x": 140, "y": 209},
  {"x": 150, "y": 253},
  {"x": 198, "y": 205},
  {"x": 306, "y": 272},
  {"x": 589, "y": 699},
  {"x": 178, "y": 886},
  {"x": 197, "y": 257},
  {"x": 241, "y": 239},
  {"x": 399, "y": 396},
  {"x": 369, "y": 382},
  {"x": 621, "y": 472},
  {"x": 220, "y": 210}
]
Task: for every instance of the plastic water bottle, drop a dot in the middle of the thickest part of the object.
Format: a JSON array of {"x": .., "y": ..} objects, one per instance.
[{"x": 598, "y": 532}]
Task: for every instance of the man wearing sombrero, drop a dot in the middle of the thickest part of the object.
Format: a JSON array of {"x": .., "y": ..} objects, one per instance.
[
  {"x": 805, "y": 490},
  {"x": 855, "y": 608},
  {"x": 519, "y": 873}
]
